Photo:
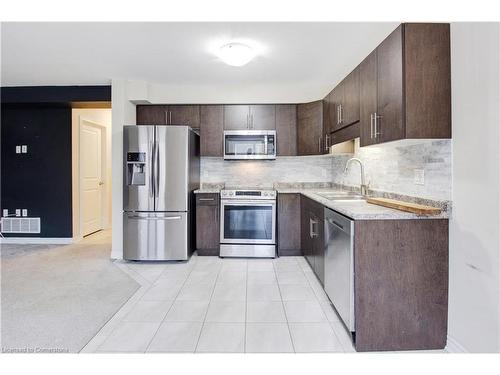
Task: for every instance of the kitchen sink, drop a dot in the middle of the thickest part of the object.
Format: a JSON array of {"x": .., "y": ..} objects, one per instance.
[{"x": 341, "y": 196}]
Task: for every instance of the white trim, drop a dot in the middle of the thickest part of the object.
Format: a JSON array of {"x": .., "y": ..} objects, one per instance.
[
  {"x": 37, "y": 240},
  {"x": 453, "y": 346}
]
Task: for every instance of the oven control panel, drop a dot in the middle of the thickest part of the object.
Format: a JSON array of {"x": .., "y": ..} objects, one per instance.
[{"x": 248, "y": 194}]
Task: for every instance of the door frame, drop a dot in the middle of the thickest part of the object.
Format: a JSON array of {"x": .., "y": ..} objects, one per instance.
[{"x": 104, "y": 200}]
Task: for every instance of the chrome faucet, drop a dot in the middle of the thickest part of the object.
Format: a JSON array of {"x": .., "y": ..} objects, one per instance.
[{"x": 363, "y": 186}]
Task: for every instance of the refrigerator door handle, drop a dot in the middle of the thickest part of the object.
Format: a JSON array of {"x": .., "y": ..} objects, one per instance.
[
  {"x": 155, "y": 218},
  {"x": 151, "y": 169},
  {"x": 157, "y": 169}
]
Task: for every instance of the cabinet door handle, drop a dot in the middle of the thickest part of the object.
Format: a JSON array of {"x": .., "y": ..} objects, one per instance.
[
  {"x": 206, "y": 199},
  {"x": 170, "y": 117},
  {"x": 319, "y": 144},
  {"x": 338, "y": 114},
  {"x": 327, "y": 142},
  {"x": 371, "y": 125},
  {"x": 375, "y": 121},
  {"x": 166, "y": 117},
  {"x": 312, "y": 223}
]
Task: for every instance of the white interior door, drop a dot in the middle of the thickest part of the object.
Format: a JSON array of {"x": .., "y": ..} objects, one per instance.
[{"x": 91, "y": 178}]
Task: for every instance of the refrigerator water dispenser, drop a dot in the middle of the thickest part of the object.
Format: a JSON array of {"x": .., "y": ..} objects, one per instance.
[{"x": 136, "y": 168}]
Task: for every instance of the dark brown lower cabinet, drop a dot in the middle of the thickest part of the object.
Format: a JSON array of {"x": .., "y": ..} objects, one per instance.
[
  {"x": 289, "y": 225},
  {"x": 207, "y": 224},
  {"x": 312, "y": 236},
  {"x": 401, "y": 284}
]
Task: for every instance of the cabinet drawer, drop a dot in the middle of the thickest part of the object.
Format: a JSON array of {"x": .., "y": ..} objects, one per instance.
[{"x": 207, "y": 199}]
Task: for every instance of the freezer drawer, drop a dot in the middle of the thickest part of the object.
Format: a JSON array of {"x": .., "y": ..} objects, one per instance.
[{"x": 155, "y": 236}]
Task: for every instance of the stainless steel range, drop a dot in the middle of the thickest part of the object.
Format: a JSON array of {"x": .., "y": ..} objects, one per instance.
[{"x": 248, "y": 223}]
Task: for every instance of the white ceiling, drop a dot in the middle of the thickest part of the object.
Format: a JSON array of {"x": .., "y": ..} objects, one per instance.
[{"x": 307, "y": 59}]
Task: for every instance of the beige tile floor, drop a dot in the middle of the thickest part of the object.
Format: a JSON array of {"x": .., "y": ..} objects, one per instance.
[
  {"x": 213, "y": 305},
  {"x": 218, "y": 305}
]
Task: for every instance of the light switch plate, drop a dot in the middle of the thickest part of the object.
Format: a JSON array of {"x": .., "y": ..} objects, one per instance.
[
  {"x": 24, "y": 149},
  {"x": 18, "y": 212},
  {"x": 419, "y": 177},
  {"x": 25, "y": 212},
  {"x": 5, "y": 212},
  {"x": 18, "y": 149}
]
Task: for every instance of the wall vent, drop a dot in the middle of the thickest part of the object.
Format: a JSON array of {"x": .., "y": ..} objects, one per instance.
[{"x": 20, "y": 224}]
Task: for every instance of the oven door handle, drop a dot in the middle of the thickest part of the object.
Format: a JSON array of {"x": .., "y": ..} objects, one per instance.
[{"x": 247, "y": 202}]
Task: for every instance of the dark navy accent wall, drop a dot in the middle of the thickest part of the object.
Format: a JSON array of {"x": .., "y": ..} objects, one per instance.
[{"x": 39, "y": 180}]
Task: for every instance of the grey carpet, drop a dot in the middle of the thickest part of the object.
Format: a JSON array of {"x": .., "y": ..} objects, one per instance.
[{"x": 58, "y": 297}]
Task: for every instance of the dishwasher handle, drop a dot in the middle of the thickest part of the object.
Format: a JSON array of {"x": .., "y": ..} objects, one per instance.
[{"x": 338, "y": 225}]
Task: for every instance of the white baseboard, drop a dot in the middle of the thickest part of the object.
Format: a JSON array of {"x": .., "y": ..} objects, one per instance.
[
  {"x": 36, "y": 240},
  {"x": 453, "y": 346}
]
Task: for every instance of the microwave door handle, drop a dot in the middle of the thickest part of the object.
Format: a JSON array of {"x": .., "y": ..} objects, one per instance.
[{"x": 265, "y": 144}]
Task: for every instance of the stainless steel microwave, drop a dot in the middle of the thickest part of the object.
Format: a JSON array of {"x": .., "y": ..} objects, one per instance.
[{"x": 249, "y": 144}]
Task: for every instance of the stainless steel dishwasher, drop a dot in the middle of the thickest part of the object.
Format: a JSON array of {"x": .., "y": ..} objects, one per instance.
[{"x": 339, "y": 265}]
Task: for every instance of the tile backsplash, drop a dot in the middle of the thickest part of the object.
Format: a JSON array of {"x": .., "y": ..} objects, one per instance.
[{"x": 389, "y": 167}]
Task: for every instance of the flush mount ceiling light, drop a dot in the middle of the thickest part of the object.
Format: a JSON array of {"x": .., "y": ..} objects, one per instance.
[{"x": 236, "y": 54}]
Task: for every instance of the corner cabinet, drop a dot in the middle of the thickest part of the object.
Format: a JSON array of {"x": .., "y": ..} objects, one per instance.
[
  {"x": 207, "y": 223},
  {"x": 405, "y": 86},
  {"x": 310, "y": 128},
  {"x": 286, "y": 129}
]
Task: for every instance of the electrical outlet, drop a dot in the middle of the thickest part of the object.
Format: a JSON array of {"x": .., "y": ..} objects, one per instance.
[
  {"x": 5, "y": 212},
  {"x": 18, "y": 212},
  {"x": 24, "y": 149},
  {"x": 18, "y": 149},
  {"x": 25, "y": 212},
  {"x": 419, "y": 177}
]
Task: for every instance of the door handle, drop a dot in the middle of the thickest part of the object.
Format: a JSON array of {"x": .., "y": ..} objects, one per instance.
[
  {"x": 375, "y": 121},
  {"x": 341, "y": 114},
  {"x": 371, "y": 125},
  {"x": 151, "y": 170},
  {"x": 101, "y": 183},
  {"x": 333, "y": 222},
  {"x": 319, "y": 144},
  {"x": 157, "y": 173},
  {"x": 170, "y": 117},
  {"x": 327, "y": 141},
  {"x": 312, "y": 223},
  {"x": 206, "y": 199},
  {"x": 155, "y": 218}
]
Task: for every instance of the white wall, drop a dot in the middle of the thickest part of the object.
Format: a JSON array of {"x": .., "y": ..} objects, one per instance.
[
  {"x": 102, "y": 117},
  {"x": 123, "y": 113},
  {"x": 474, "y": 298}
]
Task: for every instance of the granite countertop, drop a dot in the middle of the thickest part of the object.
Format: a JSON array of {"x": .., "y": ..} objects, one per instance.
[
  {"x": 360, "y": 210},
  {"x": 357, "y": 210}
]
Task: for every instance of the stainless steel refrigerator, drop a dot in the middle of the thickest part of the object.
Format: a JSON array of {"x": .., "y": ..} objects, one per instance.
[{"x": 161, "y": 171}]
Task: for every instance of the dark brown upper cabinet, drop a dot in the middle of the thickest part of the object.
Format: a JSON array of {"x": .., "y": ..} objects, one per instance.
[
  {"x": 263, "y": 117},
  {"x": 310, "y": 128},
  {"x": 151, "y": 114},
  {"x": 342, "y": 103},
  {"x": 168, "y": 115},
  {"x": 350, "y": 100},
  {"x": 211, "y": 130},
  {"x": 236, "y": 117},
  {"x": 250, "y": 117},
  {"x": 184, "y": 115},
  {"x": 286, "y": 129},
  {"x": 405, "y": 87}
]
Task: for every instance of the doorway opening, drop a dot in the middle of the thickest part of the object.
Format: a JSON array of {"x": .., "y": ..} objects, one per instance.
[{"x": 91, "y": 171}]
